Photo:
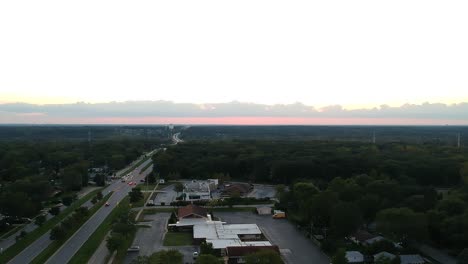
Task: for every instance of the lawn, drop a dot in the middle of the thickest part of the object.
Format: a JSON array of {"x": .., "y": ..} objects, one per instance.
[
  {"x": 142, "y": 201},
  {"x": 19, "y": 246},
  {"x": 174, "y": 239}
]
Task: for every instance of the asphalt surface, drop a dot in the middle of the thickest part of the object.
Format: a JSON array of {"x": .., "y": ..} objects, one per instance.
[
  {"x": 294, "y": 247},
  {"x": 72, "y": 245},
  {"x": 35, "y": 248},
  {"x": 166, "y": 195},
  {"x": 149, "y": 240}
]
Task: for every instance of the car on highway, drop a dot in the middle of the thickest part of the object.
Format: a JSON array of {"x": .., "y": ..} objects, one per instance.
[
  {"x": 195, "y": 255},
  {"x": 133, "y": 248},
  {"x": 107, "y": 204}
]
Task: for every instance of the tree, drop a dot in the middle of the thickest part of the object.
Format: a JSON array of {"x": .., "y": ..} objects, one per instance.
[
  {"x": 135, "y": 195},
  {"x": 167, "y": 256},
  {"x": 40, "y": 220},
  {"x": 207, "y": 248},
  {"x": 463, "y": 257},
  {"x": 264, "y": 257},
  {"x": 114, "y": 241},
  {"x": 208, "y": 259},
  {"x": 54, "y": 210},
  {"x": 340, "y": 257},
  {"x": 67, "y": 200},
  {"x": 345, "y": 218},
  {"x": 151, "y": 178},
  {"x": 402, "y": 223},
  {"x": 58, "y": 233},
  {"x": 99, "y": 196},
  {"x": 383, "y": 260},
  {"x": 178, "y": 187},
  {"x": 100, "y": 179}
]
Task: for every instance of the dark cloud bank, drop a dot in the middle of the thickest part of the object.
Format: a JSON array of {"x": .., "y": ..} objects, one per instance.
[{"x": 233, "y": 109}]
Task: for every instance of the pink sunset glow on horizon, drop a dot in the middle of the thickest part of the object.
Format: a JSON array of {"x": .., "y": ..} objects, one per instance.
[{"x": 240, "y": 120}]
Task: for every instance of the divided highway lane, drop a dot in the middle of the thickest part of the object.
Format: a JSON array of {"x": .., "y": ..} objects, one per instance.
[
  {"x": 33, "y": 250},
  {"x": 72, "y": 245}
]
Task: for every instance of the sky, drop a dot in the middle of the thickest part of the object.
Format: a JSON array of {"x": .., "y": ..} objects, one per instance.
[{"x": 352, "y": 54}]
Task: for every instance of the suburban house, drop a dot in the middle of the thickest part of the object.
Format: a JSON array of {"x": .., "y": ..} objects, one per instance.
[
  {"x": 264, "y": 210},
  {"x": 241, "y": 189},
  {"x": 192, "y": 211},
  {"x": 363, "y": 237},
  {"x": 354, "y": 257},
  {"x": 236, "y": 255},
  {"x": 196, "y": 190},
  {"x": 411, "y": 259}
]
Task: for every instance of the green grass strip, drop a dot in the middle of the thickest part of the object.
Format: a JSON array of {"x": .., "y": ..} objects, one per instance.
[
  {"x": 175, "y": 239},
  {"x": 55, "y": 245},
  {"x": 19, "y": 246},
  {"x": 146, "y": 166},
  {"x": 88, "y": 249},
  {"x": 136, "y": 165}
]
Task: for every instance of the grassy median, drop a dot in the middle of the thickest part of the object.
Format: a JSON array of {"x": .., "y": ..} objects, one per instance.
[
  {"x": 19, "y": 246},
  {"x": 88, "y": 248},
  {"x": 54, "y": 246}
]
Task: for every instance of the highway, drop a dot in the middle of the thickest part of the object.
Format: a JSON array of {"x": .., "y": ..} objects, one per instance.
[{"x": 120, "y": 189}]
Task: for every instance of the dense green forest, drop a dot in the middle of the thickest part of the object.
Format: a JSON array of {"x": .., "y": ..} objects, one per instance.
[
  {"x": 440, "y": 135},
  {"x": 412, "y": 192},
  {"x": 289, "y": 161},
  {"x": 32, "y": 171}
]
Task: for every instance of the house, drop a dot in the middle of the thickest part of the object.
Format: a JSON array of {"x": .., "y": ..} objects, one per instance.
[
  {"x": 411, "y": 259},
  {"x": 235, "y": 189},
  {"x": 363, "y": 237},
  {"x": 354, "y": 257},
  {"x": 192, "y": 211},
  {"x": 236, "y": 255},
  {"x": 384, "y": 254},
  {"x": 264, "y": 210}
]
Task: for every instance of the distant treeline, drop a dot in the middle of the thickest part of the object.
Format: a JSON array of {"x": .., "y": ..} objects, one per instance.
[
  {"x": 444, "y": 135},
  {"x": 289, "y": 161},
  {"x": 79, "y": 132}
]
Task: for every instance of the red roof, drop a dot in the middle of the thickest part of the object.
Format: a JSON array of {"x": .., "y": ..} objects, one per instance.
[
  {"x": 243, "y": 251},
  {"x": 191, "y": 210}
]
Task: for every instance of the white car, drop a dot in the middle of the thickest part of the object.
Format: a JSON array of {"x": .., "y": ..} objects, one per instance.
[{"x": 195, "y": 255}]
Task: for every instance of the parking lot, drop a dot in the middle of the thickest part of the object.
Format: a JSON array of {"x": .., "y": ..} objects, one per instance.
[
  {"x": 165, "y": 196},
  {"x": 294, "y": 247}
]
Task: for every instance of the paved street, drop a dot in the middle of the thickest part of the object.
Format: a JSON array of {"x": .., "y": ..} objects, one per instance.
[
  {"x": 295, "y": 248},
  {"x": 121, "y": 189}
]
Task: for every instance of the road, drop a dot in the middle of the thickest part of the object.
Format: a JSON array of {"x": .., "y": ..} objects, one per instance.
[
  {"x": 35, "y": 248},
  {"x": 11, "y": 239},
  {"x": 121, "y": 190}
]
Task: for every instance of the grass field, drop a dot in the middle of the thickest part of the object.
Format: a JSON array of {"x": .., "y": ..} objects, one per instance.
[
  {"x": 174, "y": 239},
  {"x": 19, "y": 246}
]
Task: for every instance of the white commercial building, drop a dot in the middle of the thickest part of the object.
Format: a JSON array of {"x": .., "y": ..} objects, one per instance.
[{"x": 199, "y": 190}]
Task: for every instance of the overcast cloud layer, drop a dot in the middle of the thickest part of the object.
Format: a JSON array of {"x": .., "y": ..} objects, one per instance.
[{"x": 28, "y": 113}]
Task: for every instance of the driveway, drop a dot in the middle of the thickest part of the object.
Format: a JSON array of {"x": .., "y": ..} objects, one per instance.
[{"x": 294, "y": 247}]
